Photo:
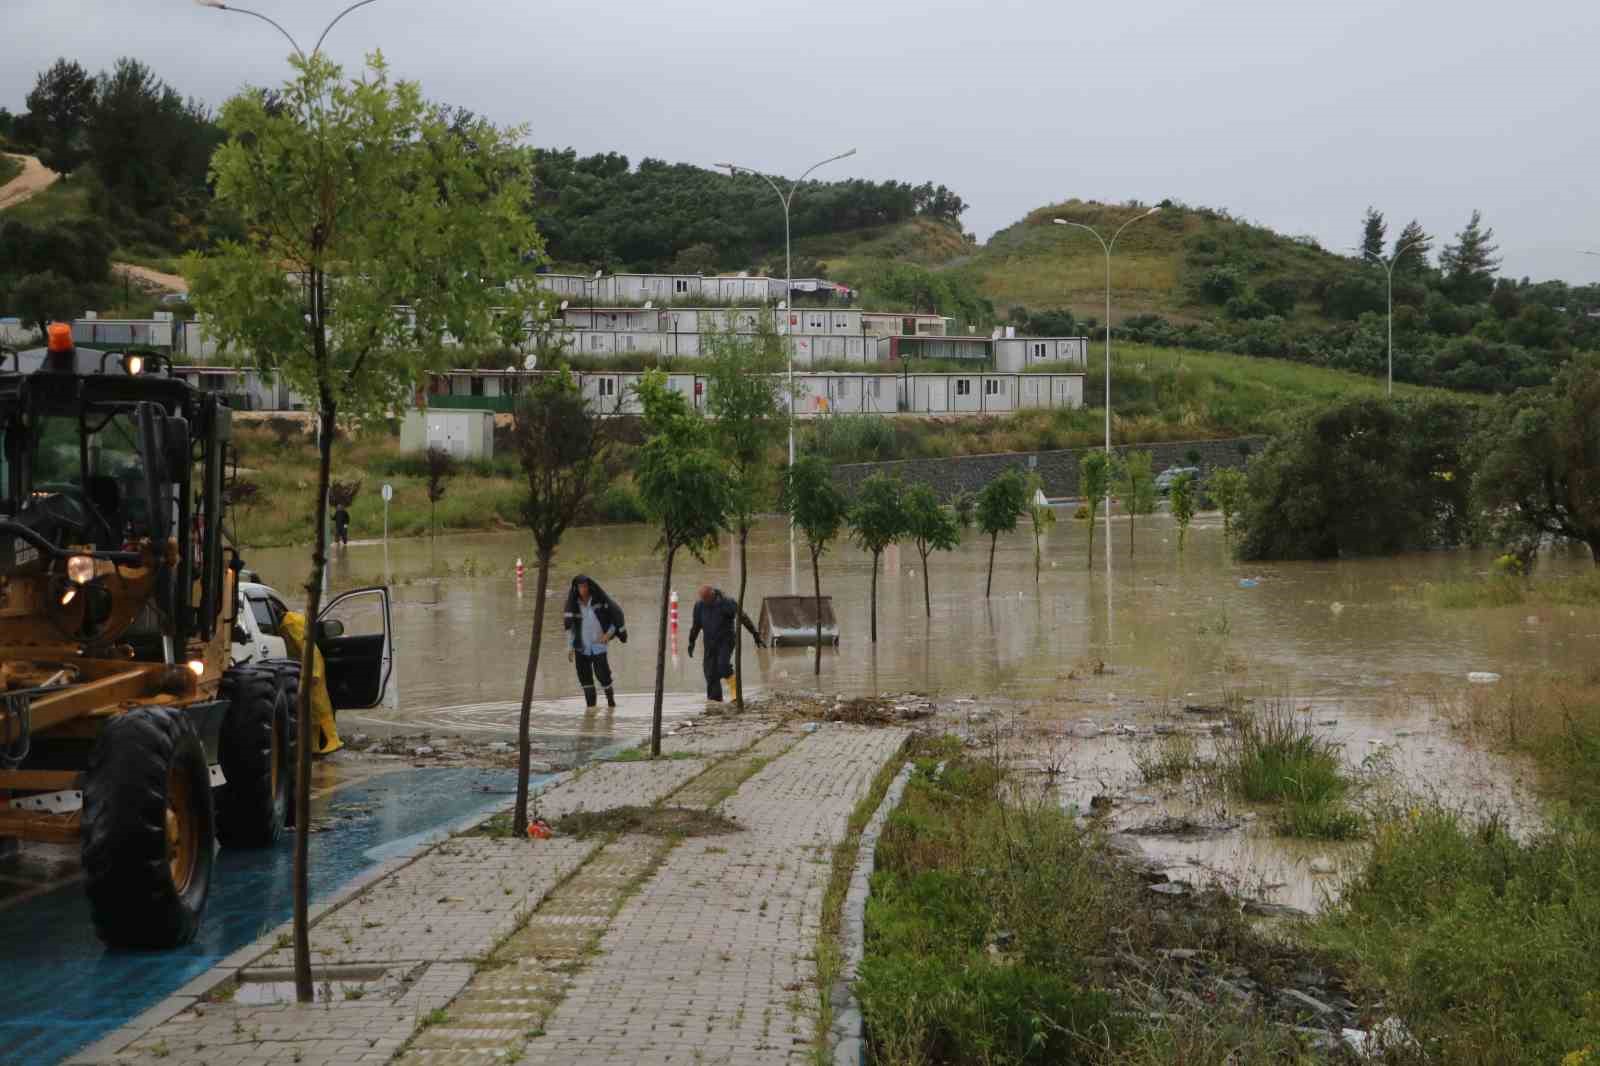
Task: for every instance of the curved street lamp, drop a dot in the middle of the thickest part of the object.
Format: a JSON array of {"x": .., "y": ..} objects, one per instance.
[
  {"x": 1108, "y": 246},
  {"x": 220, "y": 6},
  {"x": 1388, "y": 271},
  {"x": 786, "y": 198}
]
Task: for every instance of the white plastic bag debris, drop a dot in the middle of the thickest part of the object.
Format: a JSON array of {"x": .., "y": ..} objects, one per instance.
[{"x": 1483, "y": 677}]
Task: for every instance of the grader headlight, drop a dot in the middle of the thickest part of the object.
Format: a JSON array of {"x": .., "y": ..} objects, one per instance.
[{"x": 80, "y": 569}]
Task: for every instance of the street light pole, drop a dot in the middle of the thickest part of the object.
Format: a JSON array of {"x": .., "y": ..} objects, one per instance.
[
  {"x": 1388, "y": 270},
  {"x": 1108, "y": 246},
  {"x": 220, "y": 6},
  {"x": 787, "y": 198}
]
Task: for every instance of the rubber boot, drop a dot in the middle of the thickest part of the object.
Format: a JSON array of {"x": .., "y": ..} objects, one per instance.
[
  {"x": 733, "y": 687},
  {"x": 611, "y": 698},
  {"x": 588, "y": 696}
]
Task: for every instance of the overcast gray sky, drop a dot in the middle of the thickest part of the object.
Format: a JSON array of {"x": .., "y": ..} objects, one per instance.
[{"x": 1292, "y": 114}]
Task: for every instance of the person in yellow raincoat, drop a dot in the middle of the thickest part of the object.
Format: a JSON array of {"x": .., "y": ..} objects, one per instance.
[{"x": 293, "y": 629}]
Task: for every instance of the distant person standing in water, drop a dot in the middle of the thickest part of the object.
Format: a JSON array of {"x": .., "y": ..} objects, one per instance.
[
  {"x": 719, "y": 617},
  {"x": 592, "y": 619},
  {"x": 341, "y": 525}
]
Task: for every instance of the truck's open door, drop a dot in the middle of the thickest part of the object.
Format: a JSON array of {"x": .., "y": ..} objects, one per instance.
[{"x": 355, "y": 634}]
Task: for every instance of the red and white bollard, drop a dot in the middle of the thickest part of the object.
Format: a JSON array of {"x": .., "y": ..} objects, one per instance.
[
  {"x": 519, "y": 575},
  {"x": 672, "y": 623}
]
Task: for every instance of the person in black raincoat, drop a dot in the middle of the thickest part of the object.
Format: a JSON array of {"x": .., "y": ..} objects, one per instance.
[
  {"x": 717, "y": 616},
  {"x": 593, "y": 620}
]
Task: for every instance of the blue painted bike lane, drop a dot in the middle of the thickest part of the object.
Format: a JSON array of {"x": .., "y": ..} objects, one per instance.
[{"x": 63, "y": 989}]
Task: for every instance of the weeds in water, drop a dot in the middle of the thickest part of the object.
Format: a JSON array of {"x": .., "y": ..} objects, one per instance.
[
  {"x": 436, "y": 1016},
  {"x": 1169, "y": 758},
  {"x": 1278, "y": 757},
  {"x": 1510, "y": 590}
]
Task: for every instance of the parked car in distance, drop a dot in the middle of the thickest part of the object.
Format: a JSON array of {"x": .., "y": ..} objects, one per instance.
[
  {"x": 174, "y": 299},
  {"x": 1165, "y": 479}
]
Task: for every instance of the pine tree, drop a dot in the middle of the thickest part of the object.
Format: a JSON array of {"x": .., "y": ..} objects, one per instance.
[
  {"x": 1469, "y": 264},
  {"x": 1373, "y": 231},
  {"x": 1411, "y": 248}
]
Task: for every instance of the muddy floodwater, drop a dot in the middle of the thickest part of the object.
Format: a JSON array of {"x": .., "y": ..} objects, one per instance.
[
  {"x": 1104, "y": 663},
  {"x": 1168, "y": 627}
]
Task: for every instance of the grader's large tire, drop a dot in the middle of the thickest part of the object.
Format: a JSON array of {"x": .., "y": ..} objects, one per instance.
[
  {"x": 148, "y": 829},
  {"x": 287, "y": 672},
  {"x": 253, "y": 804}
]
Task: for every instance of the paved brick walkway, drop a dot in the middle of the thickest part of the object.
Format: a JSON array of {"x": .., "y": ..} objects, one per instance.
[
  {"x": 393, "y": 954},
  {"x": 712, "y": 961}
]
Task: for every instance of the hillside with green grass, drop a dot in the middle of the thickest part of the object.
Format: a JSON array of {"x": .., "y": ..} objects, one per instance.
[{"x": 1161, "y": 265}]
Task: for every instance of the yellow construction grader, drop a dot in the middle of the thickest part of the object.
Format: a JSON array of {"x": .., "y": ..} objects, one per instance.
[{"x": 124, "y": 726}]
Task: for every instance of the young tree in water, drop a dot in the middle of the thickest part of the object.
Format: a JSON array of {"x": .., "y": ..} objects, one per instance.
[
  {"x": 1227, "y": 486},
  {"x": 562, "y": 442},
  {"x": 1094, "y": 481},
  {"x": 356, "y": 196},
  {"x": 441, "y": 467},
  {"x": 877, "y": 519},
  {"x": 685, "y": 488},
  {"x": 1183, "y": 505},
  {"x": 931, "y": 527},
  {"x": 744, "y": 395},
  {"x": 1136, "y": 488},
  {"x": 1001, "y": 504},
  {"x": 1043, "y": 517},
  {"x": 818, "y": 508}
]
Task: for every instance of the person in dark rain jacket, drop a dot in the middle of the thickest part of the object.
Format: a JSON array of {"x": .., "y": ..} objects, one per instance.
[
  {"x": 718, "y": 616},
  {"x": 592, "y": 619}
]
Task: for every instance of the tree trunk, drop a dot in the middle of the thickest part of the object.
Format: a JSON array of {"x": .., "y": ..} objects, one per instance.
[
  {"x": 876, "y": 556},
  {"x": 816, "y": 584},
  {"x": 738, "y": 621},
  {"x": 988, "y": 586},
  {"x": 1089, "y": 559},
  {"x": 661, "y": 654},
  {"x": 519, "y": 816},
  {"x": 1036, "y": 553},
  {"x": 303, "y": 990},
  {"x": 1133, "y": 520},
  {"x": 927, "y": 598}
]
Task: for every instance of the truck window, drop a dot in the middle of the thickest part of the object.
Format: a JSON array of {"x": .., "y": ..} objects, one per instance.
[{"x": 262, "y": 611}]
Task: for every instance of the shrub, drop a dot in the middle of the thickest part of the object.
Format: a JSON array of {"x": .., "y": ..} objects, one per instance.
[{"x": 618, "y": 504}]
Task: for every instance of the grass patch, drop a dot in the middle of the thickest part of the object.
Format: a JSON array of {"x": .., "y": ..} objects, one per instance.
[
  {"x": 1554, "y": 719},
  {"x": 1001, "y": 931},
  {"x": 829, "y": 957},
  {"x": 642, "y": 754},
  {"x": 1170, "y": 758},
  {"x": 1483, "y": 944},
  {"x": 9, "y": 168},
  {"x": 651, "y": 821},
  {"x": 1509, "y": 590},
  {"x": 1277, "y": 757}
]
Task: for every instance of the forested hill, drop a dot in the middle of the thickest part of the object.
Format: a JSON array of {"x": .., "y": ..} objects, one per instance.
[{"x": 600, "y": 212}]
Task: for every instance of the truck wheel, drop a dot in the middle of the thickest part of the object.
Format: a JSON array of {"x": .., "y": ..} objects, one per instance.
[
  {"x": 287, "y": 671},
  {"x": 148, "y": 828},
  {"x": 253, "y": 805}
]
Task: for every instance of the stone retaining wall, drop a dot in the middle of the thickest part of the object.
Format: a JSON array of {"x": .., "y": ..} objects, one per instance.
[{"x": 1059, "y": 469}]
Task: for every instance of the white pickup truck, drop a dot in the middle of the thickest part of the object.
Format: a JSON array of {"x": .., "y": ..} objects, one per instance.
[{"x": 354, "y": 632}]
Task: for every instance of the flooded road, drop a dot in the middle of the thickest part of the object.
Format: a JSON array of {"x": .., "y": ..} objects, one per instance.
[{"x": 1168, "y": 628}]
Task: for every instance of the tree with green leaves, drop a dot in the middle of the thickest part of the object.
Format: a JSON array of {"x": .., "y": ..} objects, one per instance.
[
  {"x": 1043, "y": 517},
  {"x": 440, "y": 467},
  {"x": 877, "y": 519},
  {"x": 1373, "y": 231},
  {"x": 1135, "y": 486},
  {"x": 745, "y": 397},
  {"x": 1184, "y": 503},
  {"x": 1094, "y": 482},
  {"x": 60, "y": 106},
  {"x": 562, "y": 442},
  {"x": 1411, "y": 249},
  {"x": 931, "y": 527},
  {"x": 1469, "y": 263},
  {"x": 358, "y": 196},
  {"x": 1001, "y": 504},
  {"x": 1228, "y": 485},
  {"x": 44, "y": 298},
  {"x": 1536, "y": 457},
  {"x": 685, "y": 488},
  {"x": 812, "y": 499}
]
